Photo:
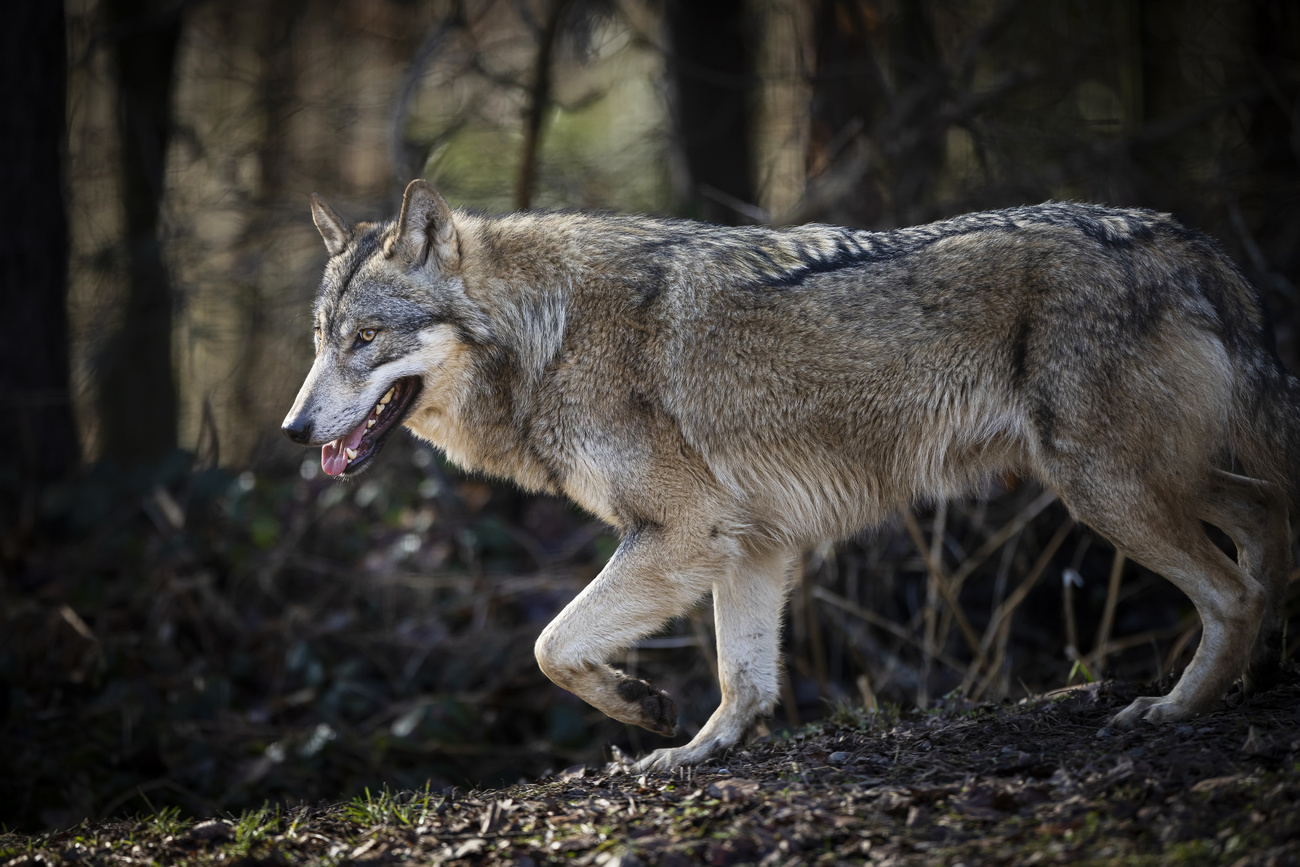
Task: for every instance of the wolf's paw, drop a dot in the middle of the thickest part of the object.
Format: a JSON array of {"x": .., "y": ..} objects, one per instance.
[
  {"x": 1152, "y": 709},
  {"x": 674, "y": 757},
  {"x": 656, "y": 711}
]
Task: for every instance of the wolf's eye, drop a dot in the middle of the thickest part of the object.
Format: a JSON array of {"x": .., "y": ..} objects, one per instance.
[{"x": 367, "y": 335}]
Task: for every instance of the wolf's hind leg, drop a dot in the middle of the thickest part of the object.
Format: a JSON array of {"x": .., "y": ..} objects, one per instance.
[
  {"x": 1228, "y": 599},
  {"x": 1154, "y": 517},
  {"x": 654, "y": 576},
  {"x": 1254, "y": 514},
  {"x": 747, "y": 607}
]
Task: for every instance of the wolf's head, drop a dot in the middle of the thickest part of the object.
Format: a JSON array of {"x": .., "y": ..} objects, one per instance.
[{"x": 392, "y": 326}]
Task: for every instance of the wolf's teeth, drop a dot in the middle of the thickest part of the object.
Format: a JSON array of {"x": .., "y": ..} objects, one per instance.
[
  {"x": 379, "y": 407},
  {"x": 387, "y": 397},
  {"x": 352, "y": 454},
  {"x": 370, "y": 422}
]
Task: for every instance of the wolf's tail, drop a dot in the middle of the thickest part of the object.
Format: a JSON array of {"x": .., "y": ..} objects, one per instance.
[{"x": 1267, "y": 430}]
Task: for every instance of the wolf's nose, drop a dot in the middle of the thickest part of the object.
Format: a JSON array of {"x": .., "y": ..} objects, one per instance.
[{"x": 298, "y": 430}]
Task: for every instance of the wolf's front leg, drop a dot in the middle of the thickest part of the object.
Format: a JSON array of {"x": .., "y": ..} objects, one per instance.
[
  {"x": 747, "y": 605},
  {"x": 654, "y": 576}
]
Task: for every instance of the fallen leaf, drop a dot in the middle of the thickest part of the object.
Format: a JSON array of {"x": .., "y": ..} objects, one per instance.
[
  {"x": 733, "y": 790},
  {"x": 1215, "y": 783},
  {"x": 470, "y": 847},
  {"x": 574, "y": 772}
]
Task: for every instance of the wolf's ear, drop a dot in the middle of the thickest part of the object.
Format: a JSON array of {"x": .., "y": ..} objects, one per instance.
[
  {"x": 425, "y": 230},
  {"x": 336, "y": 231}
]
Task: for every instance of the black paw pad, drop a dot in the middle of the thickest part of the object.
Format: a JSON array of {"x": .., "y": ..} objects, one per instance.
[
  {"x": 658, "y": 708},
  {"x": 633, "y": 690}
]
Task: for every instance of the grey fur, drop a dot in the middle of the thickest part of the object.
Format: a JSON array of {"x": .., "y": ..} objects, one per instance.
[{"x": 727, "y": 396}]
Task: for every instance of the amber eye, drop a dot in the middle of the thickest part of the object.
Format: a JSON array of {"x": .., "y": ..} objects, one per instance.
[{"x": 367, "y": 334}]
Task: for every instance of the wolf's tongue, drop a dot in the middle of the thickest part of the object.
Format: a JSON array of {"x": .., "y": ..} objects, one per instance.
[{"x": 334, "y": 455}]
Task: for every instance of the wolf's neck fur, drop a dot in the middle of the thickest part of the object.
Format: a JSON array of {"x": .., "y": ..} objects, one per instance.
[
  {"x": 522, "y": 280},
  {"x": 522, "y": 275}
]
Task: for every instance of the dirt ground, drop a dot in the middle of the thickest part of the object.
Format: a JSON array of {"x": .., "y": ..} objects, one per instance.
[{"x": 1040, "y": 781}]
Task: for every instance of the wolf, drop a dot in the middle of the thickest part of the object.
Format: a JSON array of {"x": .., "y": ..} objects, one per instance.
[{"x": 726, "y": 397}]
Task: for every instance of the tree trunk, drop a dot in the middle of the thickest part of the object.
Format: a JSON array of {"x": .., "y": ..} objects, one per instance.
[
  {"x": 539, "y": 102},
  {"x": 34, "y": 404},
  {"x": 136, "y": 397},
  {"x": 711, "y": 67},
  {"x": 849, "y": 98},
  {"x": 1272, "y": 202},
  {"x": 921, "y": 84},
  {"x": 1165, "y": 95},
  {"x": 273, "y": 34}
]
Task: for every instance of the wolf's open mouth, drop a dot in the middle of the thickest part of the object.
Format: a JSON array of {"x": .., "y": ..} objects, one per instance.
[{"x": 348, "y": 453}]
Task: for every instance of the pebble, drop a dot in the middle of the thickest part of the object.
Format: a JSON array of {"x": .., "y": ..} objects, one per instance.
[{"x": 839, "y": 757}]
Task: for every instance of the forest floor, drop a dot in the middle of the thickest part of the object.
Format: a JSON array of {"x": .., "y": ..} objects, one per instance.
[{"x": 1041, "y": 781}]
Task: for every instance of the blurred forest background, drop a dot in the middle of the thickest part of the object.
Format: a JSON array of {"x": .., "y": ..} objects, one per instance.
[{"x": 191, "y": 614}]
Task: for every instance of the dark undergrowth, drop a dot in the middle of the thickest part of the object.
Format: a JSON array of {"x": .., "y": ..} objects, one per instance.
[{"x": 195, "y": 642}]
